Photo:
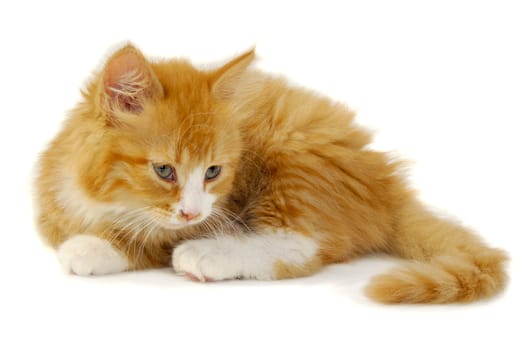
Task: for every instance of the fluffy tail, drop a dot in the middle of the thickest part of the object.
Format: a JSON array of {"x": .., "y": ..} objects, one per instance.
[{"x": 448, "y": 263}]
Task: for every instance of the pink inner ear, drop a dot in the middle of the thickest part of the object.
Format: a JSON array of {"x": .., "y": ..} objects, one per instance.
[
  {"x": 126, "y": 81},
  {"x": 230, "y": 74},
  {"x": 128, "y": 103}
]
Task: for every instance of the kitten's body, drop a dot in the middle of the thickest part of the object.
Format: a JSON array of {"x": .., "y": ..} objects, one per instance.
[{"x": 297, "y": 188}]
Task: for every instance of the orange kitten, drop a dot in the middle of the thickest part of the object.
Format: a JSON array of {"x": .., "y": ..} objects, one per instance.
[{"x": 231, "y": 173}]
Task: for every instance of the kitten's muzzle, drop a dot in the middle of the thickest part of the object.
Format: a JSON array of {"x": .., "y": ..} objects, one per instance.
[{"x": 189, "y": 216}]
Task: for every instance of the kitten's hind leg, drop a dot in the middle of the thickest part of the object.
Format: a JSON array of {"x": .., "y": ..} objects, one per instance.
[
  {"x": 89, "y": 255},
  {"x": 263, "y": 256}
]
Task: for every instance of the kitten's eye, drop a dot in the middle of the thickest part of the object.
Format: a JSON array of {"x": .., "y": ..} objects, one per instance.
[
  {"x": 165, "y": 171},
  {"x": 212, "y": 172}
]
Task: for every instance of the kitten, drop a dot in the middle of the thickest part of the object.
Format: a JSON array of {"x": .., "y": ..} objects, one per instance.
[{"x": 231, "y": 173}]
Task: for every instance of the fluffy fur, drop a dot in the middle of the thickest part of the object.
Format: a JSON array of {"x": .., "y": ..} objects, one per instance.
[{"x": 298, "y": 188}]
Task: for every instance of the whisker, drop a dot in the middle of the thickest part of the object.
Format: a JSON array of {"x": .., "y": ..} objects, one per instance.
[
  {"x": 149, "y": 231},
  {"x": 135, "y": 227},
  {"x": 232, "y": 217},
  {"x": 127, "y": 219}
]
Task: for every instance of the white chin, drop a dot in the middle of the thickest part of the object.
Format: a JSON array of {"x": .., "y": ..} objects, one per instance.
[{"x": 179, "y": 225}]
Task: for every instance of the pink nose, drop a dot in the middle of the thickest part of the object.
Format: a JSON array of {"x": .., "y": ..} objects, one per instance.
[{"x": 189, "y": 215}]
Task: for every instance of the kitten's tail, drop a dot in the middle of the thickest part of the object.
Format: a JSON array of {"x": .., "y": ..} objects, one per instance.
[{"x": 448, "y": 263}]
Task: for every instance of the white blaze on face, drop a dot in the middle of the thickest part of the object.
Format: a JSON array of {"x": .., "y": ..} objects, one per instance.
[{"x": 194, "y": 199}]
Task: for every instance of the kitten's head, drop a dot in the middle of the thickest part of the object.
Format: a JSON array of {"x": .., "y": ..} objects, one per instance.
[{"x": 169, "y": 142}]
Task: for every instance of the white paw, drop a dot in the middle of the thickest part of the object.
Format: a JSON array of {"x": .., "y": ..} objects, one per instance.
[
  {"x": 251, "y": 256},
  {"x": 207, "y": 260},
  {"x": 89, "y": 255}
]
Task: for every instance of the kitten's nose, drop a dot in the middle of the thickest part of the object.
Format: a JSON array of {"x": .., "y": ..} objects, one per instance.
[{"x": 189, "y": 215}]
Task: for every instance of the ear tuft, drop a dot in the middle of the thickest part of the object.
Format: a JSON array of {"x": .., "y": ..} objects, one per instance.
[
  {"x": 225, "y": 79},
  {"x": 128, "y": 81}
]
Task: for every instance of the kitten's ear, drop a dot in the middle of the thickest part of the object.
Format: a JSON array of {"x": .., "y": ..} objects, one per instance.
[
  {"x": 128, "y": 82},
  {"x": 225, "y": 79}
]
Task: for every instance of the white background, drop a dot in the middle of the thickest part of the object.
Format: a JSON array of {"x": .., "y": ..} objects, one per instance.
[{"x": 443, "y": 84}]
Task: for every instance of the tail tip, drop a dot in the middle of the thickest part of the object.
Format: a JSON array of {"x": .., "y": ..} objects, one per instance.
[
  {"x": 401, "y": 287},
  {"x": 445, "y": 279}
]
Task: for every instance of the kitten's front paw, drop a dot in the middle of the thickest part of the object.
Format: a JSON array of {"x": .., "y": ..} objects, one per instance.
[
  {"x": 89, "y": 255},
  {"x": 205, "y": 260}
]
